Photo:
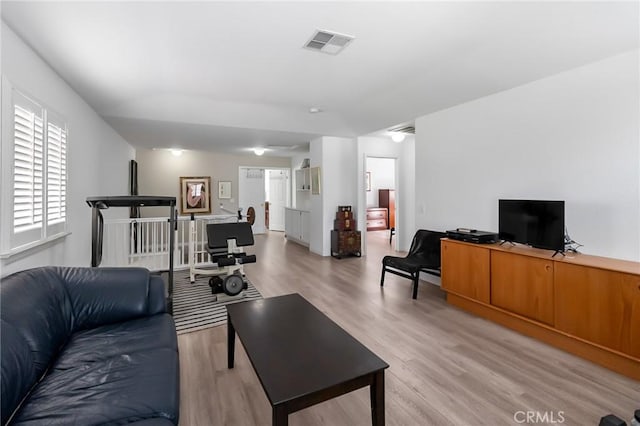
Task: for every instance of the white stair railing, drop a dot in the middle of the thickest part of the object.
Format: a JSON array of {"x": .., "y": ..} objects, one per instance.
[{"x": 144, "y": 242}]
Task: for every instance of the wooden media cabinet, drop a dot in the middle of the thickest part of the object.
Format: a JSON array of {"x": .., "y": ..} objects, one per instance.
[{"x": 586, "y": 305}]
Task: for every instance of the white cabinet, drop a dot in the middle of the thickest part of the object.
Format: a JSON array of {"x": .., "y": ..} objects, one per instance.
[
  {"x": 296, "y": 226},
  {"x": 303, "y": 180},
  {"x": 304, "y": 227},
  {"x": 291, "y": 222}
]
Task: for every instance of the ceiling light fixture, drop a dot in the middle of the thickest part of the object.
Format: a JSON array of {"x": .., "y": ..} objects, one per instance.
[
  {"x": 397, "y": 137},
  {"x": 176, "y": 152},
  {"x": 314, "y": 110},
  {"x": 258, "y": 151}
]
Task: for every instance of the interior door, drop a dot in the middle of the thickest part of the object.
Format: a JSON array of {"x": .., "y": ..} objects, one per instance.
[
  {"x": 251, "y": 193},
  {"x": 278, "y": 188}
]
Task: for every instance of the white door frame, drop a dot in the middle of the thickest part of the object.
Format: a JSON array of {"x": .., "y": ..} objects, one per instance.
[
  {"x": 264, "y": 168},
  {"x": 287, "y": 194},
  {"x": 363, "y": 207}
]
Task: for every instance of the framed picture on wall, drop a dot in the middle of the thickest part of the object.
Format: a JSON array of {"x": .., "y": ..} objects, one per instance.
[
  {"x": 224, "y": 190},
  {"x": 195, "y": 195},
  {"x": 315, "y": 180},
  {"x": 367, "y": 181}
]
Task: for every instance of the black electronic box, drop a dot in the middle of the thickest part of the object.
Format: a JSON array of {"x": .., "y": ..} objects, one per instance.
[{"x": 473, "y": 236}]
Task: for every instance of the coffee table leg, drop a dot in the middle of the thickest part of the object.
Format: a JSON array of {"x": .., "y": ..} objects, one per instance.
[
  {"x": 280, "y": 416},
  {"x": 231, "y": 342},
  {"x": 377, "y": 399}
]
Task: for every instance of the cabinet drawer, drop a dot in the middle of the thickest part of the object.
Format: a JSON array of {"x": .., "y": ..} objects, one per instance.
[
  {"x": 344, "y": 225},
  {"x": 376, "y": 214},
  {"x": 376, "y": 224}
]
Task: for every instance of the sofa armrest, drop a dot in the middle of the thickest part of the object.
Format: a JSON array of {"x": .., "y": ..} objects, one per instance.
[
  {"x": 106, "y": 295},
  {"x": 157, "y": 295}
]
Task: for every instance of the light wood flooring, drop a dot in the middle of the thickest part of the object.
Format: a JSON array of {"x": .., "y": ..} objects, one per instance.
[{"x": 447, "y": 367}]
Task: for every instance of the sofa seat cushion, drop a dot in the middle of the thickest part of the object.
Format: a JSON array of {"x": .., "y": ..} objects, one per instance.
[
  {"x": 114, "y": 374},
  {"x": 108, "y": 341}
]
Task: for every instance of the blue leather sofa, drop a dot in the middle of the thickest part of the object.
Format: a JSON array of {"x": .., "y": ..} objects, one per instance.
[{"x": 87, "y": 346}]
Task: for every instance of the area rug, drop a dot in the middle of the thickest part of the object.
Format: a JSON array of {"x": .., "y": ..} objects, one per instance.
[{"x": 195, "y": 308}]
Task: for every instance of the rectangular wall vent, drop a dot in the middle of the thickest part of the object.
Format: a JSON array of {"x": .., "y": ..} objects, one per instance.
[
  {"x": 403, "y": 129},
  {"x": 282, "y": 147},
  {"x": 328, "y": 42}
]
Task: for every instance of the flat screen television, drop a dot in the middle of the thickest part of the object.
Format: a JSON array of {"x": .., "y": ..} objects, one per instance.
[{"x": 536, "y": 223}]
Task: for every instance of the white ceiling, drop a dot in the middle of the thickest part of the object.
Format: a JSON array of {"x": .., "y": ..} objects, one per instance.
[{"x": 231, "y": 75}]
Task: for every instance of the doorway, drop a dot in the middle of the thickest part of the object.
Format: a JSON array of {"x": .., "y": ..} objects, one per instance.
[
  {"x": 381, "y": 206},
  {"x": 277, "y": 197},
  {"x": 262, "y": 188}
]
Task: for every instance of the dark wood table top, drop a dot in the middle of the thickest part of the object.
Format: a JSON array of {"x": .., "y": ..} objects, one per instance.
[{"x": 295, "y": 349}]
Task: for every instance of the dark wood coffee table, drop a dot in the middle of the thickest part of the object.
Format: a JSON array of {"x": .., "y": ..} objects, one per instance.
[{"x": 301, "y": 357}]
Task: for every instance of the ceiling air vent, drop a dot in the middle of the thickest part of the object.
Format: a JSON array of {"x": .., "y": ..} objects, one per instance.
[
  {"x": 403, "y": 129},
  {"x": 328, "y": 42},
  {"x": 282, "y": 147}
]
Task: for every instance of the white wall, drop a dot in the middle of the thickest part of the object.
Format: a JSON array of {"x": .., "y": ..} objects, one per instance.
[
  {"x": 406, "y": 216},
  {"x": 159, "y": 174},
  {"x": 336, "y": 157},
  {"x": 97, "y": 156},
  {"x": 573, "y": 136},
  {"x": 383, "y": 176},
  {"x": 316, "y": 227}
]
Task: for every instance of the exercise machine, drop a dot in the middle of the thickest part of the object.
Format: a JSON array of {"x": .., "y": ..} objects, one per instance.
[
  {"x": 224, "y": 245},
  {"x": 194, "y": 237},
  {"x": 131, "y": 201}
]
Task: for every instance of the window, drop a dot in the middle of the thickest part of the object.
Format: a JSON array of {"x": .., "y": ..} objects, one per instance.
[
  {"x": 56, "y": 174},
  {"x": 36, "y": 159}
]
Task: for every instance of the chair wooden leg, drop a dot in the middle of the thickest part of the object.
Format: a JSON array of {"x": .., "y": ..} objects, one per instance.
[
  {"x": 382, "y": 277},
  {"x": 415, "y": 285}
]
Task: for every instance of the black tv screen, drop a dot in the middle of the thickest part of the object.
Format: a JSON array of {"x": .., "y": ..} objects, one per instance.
[{"x": 533, "y": 222}]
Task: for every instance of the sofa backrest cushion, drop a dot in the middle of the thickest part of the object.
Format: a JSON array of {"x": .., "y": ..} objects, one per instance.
[
  {"x": 157, "y": 295},
  {"x": 117, "y": 294},
  {"x": 37, "y": 318}
]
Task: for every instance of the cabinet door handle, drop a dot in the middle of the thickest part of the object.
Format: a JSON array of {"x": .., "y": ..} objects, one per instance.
[{"x": 547, "y": 267}]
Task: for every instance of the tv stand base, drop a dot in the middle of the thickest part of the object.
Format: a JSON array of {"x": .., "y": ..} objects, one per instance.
[{"x": 611, "y": 359}]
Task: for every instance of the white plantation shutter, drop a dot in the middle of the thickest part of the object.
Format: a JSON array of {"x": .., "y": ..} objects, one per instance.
[
  {"x": 56, "y": 173},
  {"x": 28, "y": 170},
  {"x": 39, "y": 180}
]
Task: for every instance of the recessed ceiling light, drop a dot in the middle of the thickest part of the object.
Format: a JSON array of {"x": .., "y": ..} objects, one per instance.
[
  {"x": 176, "y": 152},
  {"x": 397, "y": 137},
  {"x": 258, "y": 151},
  {"x": 314, "y": 110}
]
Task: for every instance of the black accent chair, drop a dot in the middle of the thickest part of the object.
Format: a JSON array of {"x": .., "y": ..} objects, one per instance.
[{"x": 423, "y": 256}]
